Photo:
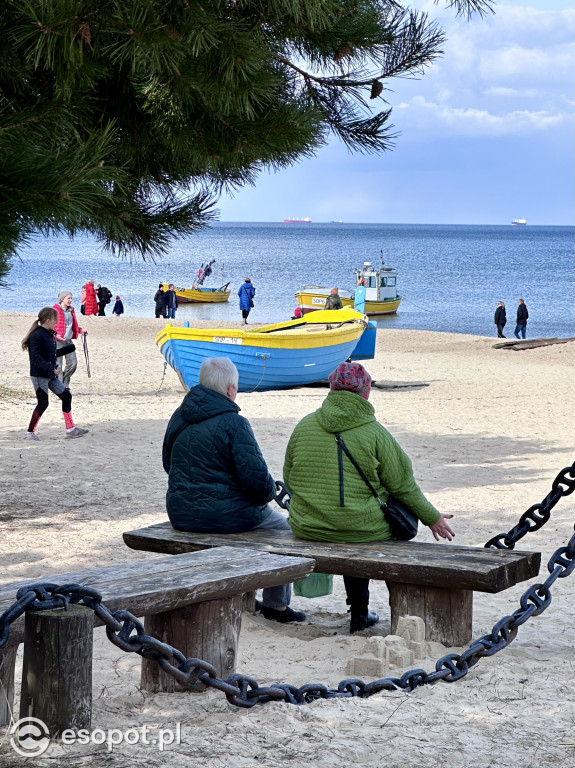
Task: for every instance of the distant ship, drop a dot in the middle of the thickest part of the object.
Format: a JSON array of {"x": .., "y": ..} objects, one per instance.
[
  {"x": 519, "y": 222},
  {"x": 307, "y": 220}
]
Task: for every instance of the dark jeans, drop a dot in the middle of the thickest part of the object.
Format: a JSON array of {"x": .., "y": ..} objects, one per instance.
[
  {"x": 171, "y": 313},
  {"x": 280, "y": 596},
  {"x": 500, "y": 332},
  {"x": 520, "y": 329}
]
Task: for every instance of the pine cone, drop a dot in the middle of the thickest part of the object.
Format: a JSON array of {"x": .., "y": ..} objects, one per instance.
[{"x": 376, "y": 89}]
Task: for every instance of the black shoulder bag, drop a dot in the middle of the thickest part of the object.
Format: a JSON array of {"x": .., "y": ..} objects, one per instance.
[{"x": 401, "y": 520}]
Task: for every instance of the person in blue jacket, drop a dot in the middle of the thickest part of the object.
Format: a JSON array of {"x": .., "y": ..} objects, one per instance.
[
  {"x": 246, "y": 294},
  {"x": 118, "y": 307},
  {"x": 218, "y": 479}
]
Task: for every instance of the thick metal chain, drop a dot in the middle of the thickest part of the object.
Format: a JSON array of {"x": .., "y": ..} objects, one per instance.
[
  {"x": 537, "y": 515},
  {"x": 127, "y": 632}
]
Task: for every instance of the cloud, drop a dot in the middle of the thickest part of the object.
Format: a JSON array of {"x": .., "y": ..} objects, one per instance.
[
  {"x": 434, "y": 118},
  {"x": 510, "y": 72}
]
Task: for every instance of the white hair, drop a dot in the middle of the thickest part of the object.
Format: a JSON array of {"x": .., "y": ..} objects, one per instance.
[{"x": 218, "y": 373}]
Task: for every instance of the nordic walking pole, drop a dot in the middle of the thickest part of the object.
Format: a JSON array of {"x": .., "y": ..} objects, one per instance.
[{"x": 86, "y": 355}]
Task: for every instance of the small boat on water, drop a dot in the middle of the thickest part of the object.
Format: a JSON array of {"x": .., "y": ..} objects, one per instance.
[
  {"x": 198, "y": 293},
  {"x": 273, "y": 356},
  {"x": 381, "y": 297},
  {"x": 201, "y": 295}
]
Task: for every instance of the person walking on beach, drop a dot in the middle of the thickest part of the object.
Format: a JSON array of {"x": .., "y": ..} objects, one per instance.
[
  {"x": 218, "y": 479},
  {"x": 160, "y": 300},
  {"x": 522, "y": 317},
  {"x": 89, "y": 300},
  {"x": 246, "y": 294},
  {"x": 329, "y": 499},
  {"x": 171, "y": 302},
  {"x": 41, "y": 346},
  {"x": 118, "y": 307},
  {"x": 333, "y": 301},
  {"x": 65, "y": 331},
  {"x": 500, "y": 319},
  {"x": 104, "y": 298}
]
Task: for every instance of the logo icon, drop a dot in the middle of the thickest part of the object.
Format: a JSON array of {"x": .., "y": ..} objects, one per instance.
[{"x": 29, "y": 737}]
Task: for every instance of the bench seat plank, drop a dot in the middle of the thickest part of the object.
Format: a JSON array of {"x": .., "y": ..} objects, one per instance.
[
  {"x": 445, "y": 566},
  {"x": 157, "y": 585}
]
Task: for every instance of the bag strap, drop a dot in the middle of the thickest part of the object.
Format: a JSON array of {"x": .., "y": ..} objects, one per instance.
[{"x": 343, "y": 447}]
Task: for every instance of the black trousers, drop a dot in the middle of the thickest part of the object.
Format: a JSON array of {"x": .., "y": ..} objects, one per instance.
[
  {"x": 500, "y": 332},
  {"x": 357, "y": 591}
]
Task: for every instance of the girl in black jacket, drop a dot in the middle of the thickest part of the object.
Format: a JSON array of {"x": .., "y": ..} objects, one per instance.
[{"x": 41, "y": 346}]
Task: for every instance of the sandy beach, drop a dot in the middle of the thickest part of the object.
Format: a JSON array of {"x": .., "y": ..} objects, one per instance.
[{"x": 486, "y": 436}]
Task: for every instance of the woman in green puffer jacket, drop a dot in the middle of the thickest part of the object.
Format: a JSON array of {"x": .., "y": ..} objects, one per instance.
[{"x": 312, "y": 474}]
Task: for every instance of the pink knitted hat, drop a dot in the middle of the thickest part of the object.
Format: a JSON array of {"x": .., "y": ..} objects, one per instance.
[{"x": 353, "y": 377}]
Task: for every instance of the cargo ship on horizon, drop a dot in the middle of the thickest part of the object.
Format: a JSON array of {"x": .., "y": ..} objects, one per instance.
[
  {"x": 519, "y": 222},
  {"x": 306, "y": 220}
]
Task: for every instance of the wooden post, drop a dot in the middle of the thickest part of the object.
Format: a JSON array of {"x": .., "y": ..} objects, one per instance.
[
  {"x": 57, "y": 673},
  {"x": 7, "y": 665},
  {"x": 447, "y": 613},
  {"x": 249, "y": 602},
  {"x": 208, "y": 631}
]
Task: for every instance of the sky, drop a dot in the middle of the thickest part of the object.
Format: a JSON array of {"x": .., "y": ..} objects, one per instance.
[{"x": 486, "y": 135}]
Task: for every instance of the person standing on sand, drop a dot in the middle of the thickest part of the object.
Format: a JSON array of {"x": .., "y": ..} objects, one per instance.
[
  {"x": 171, "y": 302},
  {"x": 246, "y": 294},
  {"x": 219, "y": 481},
  {"x": 89, "y": 300},
  {"x": 522, "y": 316},
  {"x": 333, "y": 301},
  {"x": 66, "y": 330},
  {"x": 118, "y": 307},
  {"x": 160, "y": 299},
  {"x": 104, "y": 298},
  {"x": 500, "y": 319},
  {"x": 41, "y": 346}
]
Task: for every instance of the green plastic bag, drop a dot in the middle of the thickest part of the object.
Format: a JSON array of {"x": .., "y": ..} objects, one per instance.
[{"x": 314, "y": 585}]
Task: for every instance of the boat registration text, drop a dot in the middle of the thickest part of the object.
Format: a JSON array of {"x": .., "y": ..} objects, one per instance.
[{"x": 226, "y": 340}]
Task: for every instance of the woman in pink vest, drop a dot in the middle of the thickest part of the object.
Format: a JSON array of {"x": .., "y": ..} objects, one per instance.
[{"x": 66, "y": 330}]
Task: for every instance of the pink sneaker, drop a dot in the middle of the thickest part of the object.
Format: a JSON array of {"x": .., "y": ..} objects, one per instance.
[{"x": 77, "y": 432}]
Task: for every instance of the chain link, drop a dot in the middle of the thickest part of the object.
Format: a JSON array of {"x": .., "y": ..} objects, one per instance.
[
  {"x": 127, "y": 632},
  {"x": 537, "y": 515}
]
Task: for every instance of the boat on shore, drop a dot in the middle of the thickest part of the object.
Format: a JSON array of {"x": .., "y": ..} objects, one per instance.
[
  {"x": 201, "y": 294},
  {"x": 381, "y": 297},
  {"x": 198, "y": 293},
  {"x": 288, "y": 354},
  {"x": 519, "y": 222}
]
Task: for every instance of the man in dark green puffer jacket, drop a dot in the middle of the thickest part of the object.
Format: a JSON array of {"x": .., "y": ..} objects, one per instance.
[
  {"x": 218, "y": 479},
  {"x": 314, "y": 477}
]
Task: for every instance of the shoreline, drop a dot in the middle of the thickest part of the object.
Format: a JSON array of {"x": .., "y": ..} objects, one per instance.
[{"x": 486, "y": 438}]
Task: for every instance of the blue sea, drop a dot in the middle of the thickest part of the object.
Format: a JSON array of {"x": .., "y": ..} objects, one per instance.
[{"x": 450, "y": 277}]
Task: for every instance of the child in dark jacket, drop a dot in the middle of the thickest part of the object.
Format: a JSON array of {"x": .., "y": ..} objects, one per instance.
[
  {"x": 118, "y": 307},
  {"x": 41, "y": 346}
]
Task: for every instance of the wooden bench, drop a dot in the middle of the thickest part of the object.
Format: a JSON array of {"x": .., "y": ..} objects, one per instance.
[
  {"x": 193, "y": 601},
  {"x": 433, "y": 581}
]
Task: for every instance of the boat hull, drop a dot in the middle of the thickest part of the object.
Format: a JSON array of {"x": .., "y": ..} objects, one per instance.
[
  {"x": 310, "y": 302},
  {"x": 299, "y": 354},
  {"x": 200, "y": 295}
]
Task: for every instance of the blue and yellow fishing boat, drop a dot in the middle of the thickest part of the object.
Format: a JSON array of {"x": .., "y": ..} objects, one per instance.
[{"x": 272, "y": 356}]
